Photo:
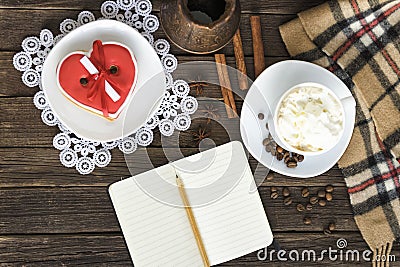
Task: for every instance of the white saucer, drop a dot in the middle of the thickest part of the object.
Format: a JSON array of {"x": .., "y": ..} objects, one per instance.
[
  {"x": 141, "y": 104},
  {"x": 262, "y": 98}
]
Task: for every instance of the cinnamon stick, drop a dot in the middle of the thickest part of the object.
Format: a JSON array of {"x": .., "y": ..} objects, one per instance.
[
  {"x": 227, "y": 94},
  {"x": 240, "y": 63},
  {"x": 228, "y": 86},
  {"x": 258, "y": 48}
]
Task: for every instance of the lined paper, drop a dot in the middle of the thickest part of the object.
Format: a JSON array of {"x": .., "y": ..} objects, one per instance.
[
  {"x": 156, "y": 234},
  {"x": 235, "y": 224},
  {"x": 231, "y": 220}
]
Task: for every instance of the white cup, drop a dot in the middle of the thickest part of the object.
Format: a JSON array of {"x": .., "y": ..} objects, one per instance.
[{"x": 274, "y": 126}]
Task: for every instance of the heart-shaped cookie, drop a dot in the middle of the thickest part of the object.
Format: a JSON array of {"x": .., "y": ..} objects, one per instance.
[{"x": 101, "y": 80}]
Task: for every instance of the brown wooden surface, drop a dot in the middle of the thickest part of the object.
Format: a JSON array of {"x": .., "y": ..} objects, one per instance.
[{"x": 52, "y": 216}]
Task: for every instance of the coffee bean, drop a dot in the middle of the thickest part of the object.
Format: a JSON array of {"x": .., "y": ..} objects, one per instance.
[
  {"x": 313, "y": 200},
  {"x": 295, "y": 158},
  {"x": 266, "y": 126},
  {"x": 321, "y": 193},
  {"x": 300, "y": 158},
  {"x": 322, "y": 202},
  {"x": 309, "y": 207},
  {"x": 329, "y": 196},
  {"x": 279, "y": 149},
  {"x": 329, "y": 188},
  {"x": 268, "y": 148},
  {"x": 266, "y": 141},
  {"x": 274, "y": 189},
  {"x": 261, "y": 116},
  {"x": 332, "y": 226},
  {"x": 291, "y": 164},
  {"x": 273, "y": 152},
  {"x": 286, "y": 192},
  {"x": 274, "y": 195},
  {"x": 327, "y": 231},
  {"x": 287, "y": 201},
  {"x": 270, "y": 176},
  {"x": 279, "y": 156},
  {"x": 286, "y": 160},
  {"x": 300, "y": 207},
  {"x": 286, "y": 154},
  {"x": 305, "y": 192},
  {"x": 307, "y": 220}
]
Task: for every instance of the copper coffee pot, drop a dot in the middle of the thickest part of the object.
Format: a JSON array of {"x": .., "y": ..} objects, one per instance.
[{"x": 200, "y": 26}]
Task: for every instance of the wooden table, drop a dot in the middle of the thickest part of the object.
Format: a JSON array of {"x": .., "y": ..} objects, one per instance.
[{"x": 52, "y": 216}]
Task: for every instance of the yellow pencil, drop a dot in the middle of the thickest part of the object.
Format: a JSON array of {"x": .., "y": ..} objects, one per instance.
[{"x": 192, "y": 221}]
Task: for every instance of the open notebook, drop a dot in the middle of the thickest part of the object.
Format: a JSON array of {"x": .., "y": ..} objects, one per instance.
[{"x": 231, "y": 219}]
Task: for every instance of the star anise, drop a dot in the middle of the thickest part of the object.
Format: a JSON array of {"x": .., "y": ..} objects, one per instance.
[
  {"x": 200, "y": 135},
  {"x": 199, "y": 85},
  {"x": 210, "y": 112}
]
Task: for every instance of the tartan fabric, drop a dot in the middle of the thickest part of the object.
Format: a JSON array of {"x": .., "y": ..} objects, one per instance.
[{"x": 359, "y": 41}]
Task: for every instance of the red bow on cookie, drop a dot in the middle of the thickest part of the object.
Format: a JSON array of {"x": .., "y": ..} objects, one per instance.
[{"x": 101, "y": 82}]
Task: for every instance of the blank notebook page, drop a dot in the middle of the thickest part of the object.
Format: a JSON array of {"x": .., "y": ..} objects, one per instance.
[
  {"x": 234, "y": 223},
  {"x": 230, "y": 218},
  {"x": 156, "y": 234}
]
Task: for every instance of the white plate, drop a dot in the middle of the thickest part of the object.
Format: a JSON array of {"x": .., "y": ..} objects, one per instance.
[
  {"x": 141, "y": 104},
  {"x": 262, "y": 98}
]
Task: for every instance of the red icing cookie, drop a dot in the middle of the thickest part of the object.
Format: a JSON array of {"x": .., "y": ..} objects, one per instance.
[{"x": 102, "y": 82}]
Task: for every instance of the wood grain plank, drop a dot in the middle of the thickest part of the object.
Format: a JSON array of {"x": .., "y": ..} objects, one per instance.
[
  {"x": 110, "y": 250},
  {"x": 68, "y": 250},
  {"x": 270, "y": 7},
  {"x": 18, "y": 119},
  {"x": 11, "y": 78},
  {"x": 89, "y": 210},
  {"x": 40, "y": 167},
  {"x": 21, "y": 126},
  {"x": 30, "y": 22},
  {"x": 315, "y": 242},
  {"x": 12, "y": 85}
]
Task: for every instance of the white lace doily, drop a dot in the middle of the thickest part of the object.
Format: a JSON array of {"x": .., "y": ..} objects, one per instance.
[{"x": 173, "y": 114}]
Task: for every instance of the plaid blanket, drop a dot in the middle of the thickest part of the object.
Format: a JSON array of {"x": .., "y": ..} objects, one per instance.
[{"x": 359, "y": 41}]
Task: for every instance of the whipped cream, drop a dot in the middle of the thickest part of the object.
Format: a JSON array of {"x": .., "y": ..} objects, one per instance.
[{"x": 310, "y": 119}]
